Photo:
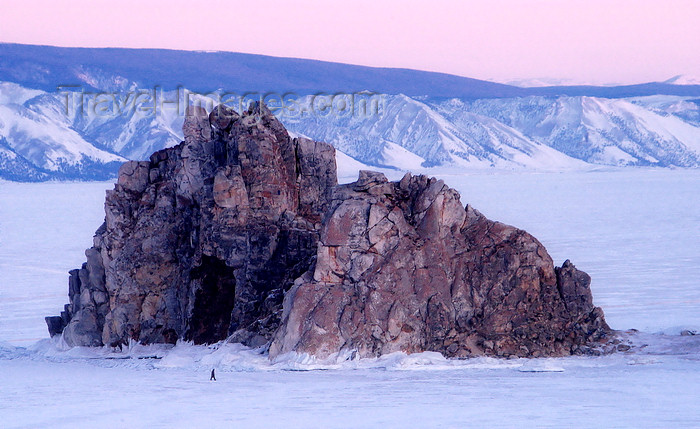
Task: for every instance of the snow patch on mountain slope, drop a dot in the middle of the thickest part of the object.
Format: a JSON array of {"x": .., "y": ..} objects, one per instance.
[
  {"x": 505, "y": 146},
  {"x": 686, "y": 108},
  {"x": 12, "y": 93},
  {"x": 349, "y": 168},
  {"x": 14, "y": 167},
  {"x": 44, "y": 138},
  {"x": 133, "y": 134},
  {"x": 397, "y": 156},
  {"x": 669, "y": 127},
  {"x": 588, "y": 128},
  {"x": 609, "y": 117},
  {"x": 409, "y": 134}
]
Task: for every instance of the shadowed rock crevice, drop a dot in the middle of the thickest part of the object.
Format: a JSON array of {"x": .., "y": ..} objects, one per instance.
[{"x": 214, "y": 301}]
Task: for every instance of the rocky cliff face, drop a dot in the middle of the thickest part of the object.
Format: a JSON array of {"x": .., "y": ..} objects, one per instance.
[
  {"x": 201, "y": 241},
  {"x": 240, "y": 232},
  {"x": 404, "y": 267}
]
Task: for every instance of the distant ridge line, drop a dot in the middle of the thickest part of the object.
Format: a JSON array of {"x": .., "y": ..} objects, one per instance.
[{"x": 46, "y": 67}]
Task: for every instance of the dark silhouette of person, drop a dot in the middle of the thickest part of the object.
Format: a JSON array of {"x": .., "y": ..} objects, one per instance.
[{"x": 213, "y": 376}]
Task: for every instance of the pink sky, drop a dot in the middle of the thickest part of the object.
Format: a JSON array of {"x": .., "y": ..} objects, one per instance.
[{"x": 594, "y": 41}]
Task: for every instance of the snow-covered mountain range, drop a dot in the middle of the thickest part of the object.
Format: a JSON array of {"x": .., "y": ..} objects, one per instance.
[
  {"x": 649, "y": 131},
  {"x": 84, "y": 127}
]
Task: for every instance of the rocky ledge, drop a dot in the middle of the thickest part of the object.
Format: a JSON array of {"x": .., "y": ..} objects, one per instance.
[{"x": 241, "y": 233}]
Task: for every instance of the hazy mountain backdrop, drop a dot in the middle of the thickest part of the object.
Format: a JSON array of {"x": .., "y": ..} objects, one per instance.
[{"x": 78, "y": 113}]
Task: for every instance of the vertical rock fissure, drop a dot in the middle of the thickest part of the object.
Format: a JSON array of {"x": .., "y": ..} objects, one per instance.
[{"x": 214, "y": 301}]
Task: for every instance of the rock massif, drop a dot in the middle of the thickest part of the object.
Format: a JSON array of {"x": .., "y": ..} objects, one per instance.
[
  {"x": 404, "y": 267},
  {"x": 201, "y": 241},
  {"x": 240, "y": 232}
]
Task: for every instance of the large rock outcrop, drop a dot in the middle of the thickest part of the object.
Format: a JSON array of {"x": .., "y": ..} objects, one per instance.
[
  {"x": 405, "y": 267},
  {"x": 240, "y": 232},
  {"x": 201, "y": 241}
]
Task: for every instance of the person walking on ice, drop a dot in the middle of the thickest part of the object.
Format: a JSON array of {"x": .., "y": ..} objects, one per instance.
[{"x": 213, "y": 376}]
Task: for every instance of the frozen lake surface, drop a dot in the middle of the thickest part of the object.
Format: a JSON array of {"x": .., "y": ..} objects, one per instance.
[{"x": 636, "y": 232}]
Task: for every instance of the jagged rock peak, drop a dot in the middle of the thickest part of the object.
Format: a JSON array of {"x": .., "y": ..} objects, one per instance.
[
  {"x": 201, "y": 241},
  {"x": 196, "y": 125}
]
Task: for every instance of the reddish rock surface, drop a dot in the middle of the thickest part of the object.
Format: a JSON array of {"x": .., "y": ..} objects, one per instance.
[
  {"x": 240, "y": 232},
  {"x": 201, "y": 241},
  {"x": 404, "y": 266}
]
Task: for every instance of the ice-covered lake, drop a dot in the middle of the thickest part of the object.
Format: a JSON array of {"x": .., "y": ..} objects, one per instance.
[{"x": 636, "y": 232}]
